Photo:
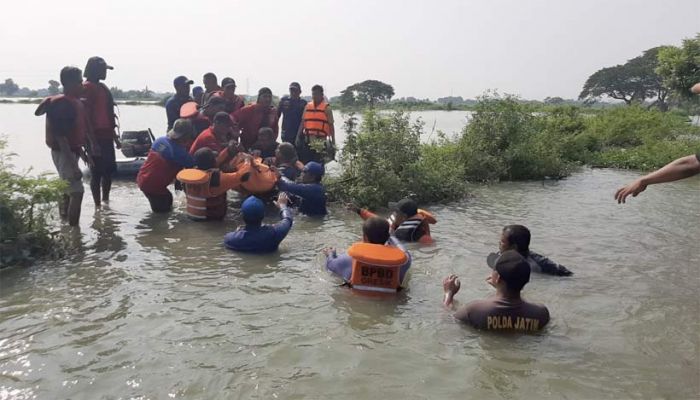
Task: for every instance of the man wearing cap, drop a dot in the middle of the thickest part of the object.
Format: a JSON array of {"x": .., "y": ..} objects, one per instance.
[
  {"x": 168, "y": 155},
  {"x": 506, "y": 310},
  {"x": 310, "y": 191},
  {"x": 256, "y": 237},
  {"x": 99, "y": 105},
  {"x": 234, "y": 102},
  {"x": 255, "y": 116},
  {"x": 217, "y": 136},
  {"x": 292, "y": 108},
  {"x": 211, "y": 86},
  {"x": 181, "y": 96}
]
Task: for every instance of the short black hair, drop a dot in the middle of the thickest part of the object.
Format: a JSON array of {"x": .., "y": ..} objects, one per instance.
[
  {"x": 376, "y": 230},
  {"x": 71, "y": 75},
  {"x": 205, "y": 158},
  {"x": 518, "y": 236},
  {"x": 210, "y": 75},
  {"x": 264, "y": 90},
  {"x": 287, "y": 152},
  {"x": 317, "y": 88}
]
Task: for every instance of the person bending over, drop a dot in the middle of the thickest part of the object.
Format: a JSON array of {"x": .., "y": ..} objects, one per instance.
[
  {"x": 256, "y": 237},
  {"x": 375, "y": 230},
  {"x": 517, "y": 237},
  {"x": 506, "y": 310},
  {"x": 311, "y": 191}
]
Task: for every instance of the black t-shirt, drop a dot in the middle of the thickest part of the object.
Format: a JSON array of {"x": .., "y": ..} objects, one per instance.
[{"x": 501, "y": 314}]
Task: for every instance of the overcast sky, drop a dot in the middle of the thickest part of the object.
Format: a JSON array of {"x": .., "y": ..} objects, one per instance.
[{"x": 423, "y": 48}]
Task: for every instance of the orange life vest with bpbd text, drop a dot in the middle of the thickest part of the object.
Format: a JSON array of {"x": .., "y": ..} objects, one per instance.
[
  {"x": 200, "y": 204},
  {"x": 376, "y": 267},
  {"x": 315, "y": 120}
]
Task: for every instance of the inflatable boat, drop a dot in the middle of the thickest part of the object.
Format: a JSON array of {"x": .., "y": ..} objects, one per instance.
[{"x": 135, "y": 147}]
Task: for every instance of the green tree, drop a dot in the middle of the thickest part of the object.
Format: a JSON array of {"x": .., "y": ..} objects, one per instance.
[
  {"x": 9, "y": 87},
  {"x": 679, "y": 67},
  {"x": 54, "y": 87},
  {"x": 369, "y": 92}
]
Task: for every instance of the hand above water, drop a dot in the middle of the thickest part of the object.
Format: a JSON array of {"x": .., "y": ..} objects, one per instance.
[
  {"x": 282, "y": 200},
  {"x": 328, "y": 251},
  {"x": 451, "y": 286},
  {"x": 634, "y": 188}
]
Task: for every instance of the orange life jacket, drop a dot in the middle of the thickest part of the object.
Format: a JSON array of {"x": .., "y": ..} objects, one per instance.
[
  {"x": 376, "y": 267},
  {"x": 262, "y": 179},
  {"x": 200, "y": 204},
  {"x": 77, "y": 135},
  {"x": 315, "y": 120},
  {"x": 418, "y": 223}
]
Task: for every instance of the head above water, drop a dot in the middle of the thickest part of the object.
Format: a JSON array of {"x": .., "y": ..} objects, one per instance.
[
  {"x": 265, "y": 97},
  {"x": 253, "y": 210},
  {"x": 210, "y": 81},
  {"x": 312, "y": 172},
  {"x": 375, "y": 230},
  {"x": 286, "y": 153},
  {"x": 317, "y": 94},
  {"x": 205, "y": 158},
  {"x": 510, "y": 271},
  {"x": 96, "y": 69},
  {"x": 515, "y": 237},
  {"x": 72, "y": 80}
]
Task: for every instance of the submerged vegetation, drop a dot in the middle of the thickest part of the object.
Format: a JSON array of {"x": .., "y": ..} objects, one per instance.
[
  {"x": 25, "y": 213},
  {"x": 384, "y": 159}
]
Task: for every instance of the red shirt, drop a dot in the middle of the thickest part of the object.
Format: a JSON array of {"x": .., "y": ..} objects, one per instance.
[
  {"x": 100, "y": 108},
  {"x": 156, "y": 174},
  {"x": 250, "y": 120},
  {"x": 207, "y": 139}
]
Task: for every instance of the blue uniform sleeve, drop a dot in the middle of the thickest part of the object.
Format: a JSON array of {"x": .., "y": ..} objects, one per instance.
[
  {"x": 283, "y": 227},
  {"x": 172, "y": 111},
  {"x": 232, "y": 240},
  {"x": 393, "y": 241},
  {"x": 298, "y": 189},
  {"x": 340, "y": 265},
  {"x": 182, "y": 157}
]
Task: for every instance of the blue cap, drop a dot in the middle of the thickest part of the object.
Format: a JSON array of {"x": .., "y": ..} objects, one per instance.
[
  {"x": 314, "y": 168},
  {"x": 197, "y": 90},
  {"x": 182, "y": 80},
  {"x": 253, "y": 209}
]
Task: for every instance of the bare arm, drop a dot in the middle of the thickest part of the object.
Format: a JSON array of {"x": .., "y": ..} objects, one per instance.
[
  {"x": 329, "y": 117},
  {"x": 681, "y": 168}
]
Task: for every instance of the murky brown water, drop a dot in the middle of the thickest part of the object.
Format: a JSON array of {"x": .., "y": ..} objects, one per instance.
[{"x": 155, "y": 307}]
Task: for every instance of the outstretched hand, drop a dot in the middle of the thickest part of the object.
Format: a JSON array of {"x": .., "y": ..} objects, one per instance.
[
  {"x": 633, "y": 189},
  {"x": 451, "y": 284},
  {"x": 282, "y": 200}
]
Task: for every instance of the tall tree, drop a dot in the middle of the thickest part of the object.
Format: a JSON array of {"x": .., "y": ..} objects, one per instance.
[
  {"x": 368, "y": 92},
  {"x": 679, "y": 67},
  {"x": 54, "y": 87},
  {"x": 9, "y": 87}
]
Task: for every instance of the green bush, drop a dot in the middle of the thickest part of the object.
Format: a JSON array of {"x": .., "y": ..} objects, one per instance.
[
  {"x": 25, "y": 211},
  {"x": 648, "y": 156},
  {"x": 506, "y": 140},
  {"x": 385, "y": 161}
]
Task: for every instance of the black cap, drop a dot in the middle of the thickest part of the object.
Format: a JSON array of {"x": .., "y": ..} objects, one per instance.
[
  {"x": 511, "y": 266},
  {"x": 295, "y": 85},
  {"x": 264, "y": 90},
  {"x": 405, "y": 206},
  {"x": 93, "y": 62},
  {"x": 214, "y": 100},
  {"x": 227, "y": 81},
  {"x": 223, "y": 116},
  {"x": 182, "y": 80}
]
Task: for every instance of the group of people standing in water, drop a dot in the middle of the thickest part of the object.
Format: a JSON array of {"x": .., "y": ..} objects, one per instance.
[{"x": 216, "y": 143}]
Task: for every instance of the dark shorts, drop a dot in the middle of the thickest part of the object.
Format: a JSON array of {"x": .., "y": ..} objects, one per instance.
[
  {"x": 105, "y": 163},
  {"x": 160, "y": 203}
]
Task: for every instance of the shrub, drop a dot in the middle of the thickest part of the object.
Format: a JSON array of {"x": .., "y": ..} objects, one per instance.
[
  {"x": 25, "y": 212},
  {"x": 384, "y": 161}
]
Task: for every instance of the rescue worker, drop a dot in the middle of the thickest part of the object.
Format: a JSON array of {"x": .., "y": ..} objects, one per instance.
[
  {"x": 255, "y": 116},
  {"x": 67, "y": 130},
  {"x": 168, "y": 155},
  {"x": 256, "y": 237},
  {"x": 181, "y": 96},
  {"x": 206, "y": 186},
  {"x": 292, "y": 108},
  {"x": 517, "y": 237},
  {"x": 408, "y": 223},
  {"x": 315, "y": 139},
  {"x": 266, "y": 146},
  {"x": 506, "y": 310},
  {"x": 375, "y": 231},
  {"x": 198, "y": 94},
  {"x": 99, "y": 105},
  {"x": 310, "y": 191},
  {"x": 211, "y": 86},
  {"x": 234, "y": 102},
  {"x": 217, "y": 136}
]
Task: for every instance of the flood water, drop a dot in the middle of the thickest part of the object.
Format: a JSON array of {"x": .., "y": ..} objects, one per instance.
[{"x": 154, "y": 307}]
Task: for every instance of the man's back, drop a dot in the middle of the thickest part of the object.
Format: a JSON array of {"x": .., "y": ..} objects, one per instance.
[
  {"x": 503, "y": 314},
  {"x": 262, "y": 238}
]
